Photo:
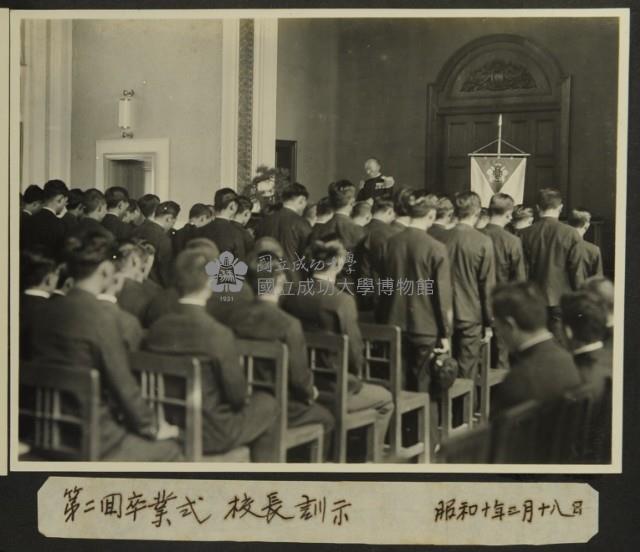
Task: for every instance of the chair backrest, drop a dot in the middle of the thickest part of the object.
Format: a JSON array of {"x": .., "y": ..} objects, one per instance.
[
  {"x": 172, "y": 386},
  {"x": 383, "y": 355},
  {"x": 515, "y": 433},
  {"x": 574, "y": 423},
  {"x": 471, "y": 447},
  {"x": 59, "y": 411},
  {"x": 329, "y": 360},
  {"x": 266, "y": 364}
]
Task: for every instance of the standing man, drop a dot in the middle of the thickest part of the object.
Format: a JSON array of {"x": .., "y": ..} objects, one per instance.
[
  {"x": 555, "y": 256},
  {"x": 117, "y": 199},
  {"x": 375, "y": 185},
  {"x": 221, "y": 230},
  {"x": 46, "y": 228},
  {"x": 580, "y": 219}
]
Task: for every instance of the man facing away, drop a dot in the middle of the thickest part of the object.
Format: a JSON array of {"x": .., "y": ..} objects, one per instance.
[
  {"x": 199, "y": 215},
  {"x": 221, "y": 230},
  {"x": 444, "y": 219},
  {"x": 554, "y": 254},
  {"x": 230, "y": 417},
  {"x": 78, "y": 332},
  {"x": 117, "y": 199},
  {"x": 541, "y": 369},
  {"x": 45, "y": 228},
  {"x": 580, "y": 219},
  {"x": 473, "y": 276}
]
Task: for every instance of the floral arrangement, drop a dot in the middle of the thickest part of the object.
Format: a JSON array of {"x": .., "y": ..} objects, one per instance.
[{"x": 265, "y": 188}]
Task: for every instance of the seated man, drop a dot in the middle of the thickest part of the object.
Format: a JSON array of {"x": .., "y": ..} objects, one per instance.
[
  {"x": 229, "y": 417},
  {"x": 541, "y": 369},
  {"x": 603, "y": 288},
  {"x": 78, "y": 332},
  {"x": 327, "y": 308},
  {"x": 263, "y": 319},
  {"x": 38, "y": 279},
  {"x": 135, "y": 296},
  {"x": 585, "y": 322}
]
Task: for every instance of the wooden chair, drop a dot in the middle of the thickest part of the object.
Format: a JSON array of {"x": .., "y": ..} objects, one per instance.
[
  {"x": 599, "y": 435},
  {"x": 383, "y": 366},
  {"x": 472, "y": 447},
  {"x": 486, "y": 378},
  {"x": 328, "y": 358},
  {"x": 463, "y": 389},
  {"x": 275, "y": 357},
  {"x": 58, "y": 412}
]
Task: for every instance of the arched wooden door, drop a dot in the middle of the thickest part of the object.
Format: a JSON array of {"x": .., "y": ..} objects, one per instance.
[{"x": 499, "y": 74}]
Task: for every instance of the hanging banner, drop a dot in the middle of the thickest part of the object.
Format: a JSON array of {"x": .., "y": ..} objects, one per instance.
[{"x": 491, "y": 175}]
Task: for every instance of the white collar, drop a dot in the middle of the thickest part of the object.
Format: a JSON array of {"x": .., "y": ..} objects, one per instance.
[
  {"x": 37, "y": 293},
  {"x": 192, "y": 301},
  {"x": 27, "y": 212},
  {"x": 107, "y": 297},
  {"x": 545, "y": 336},
  {"x": 45, "y": 208},
  {"x": 589, "y": 347}
]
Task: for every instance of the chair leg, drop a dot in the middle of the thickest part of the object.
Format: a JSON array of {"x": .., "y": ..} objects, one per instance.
[
  {"x": 374, "y": 448},
  {"x": 341, "y": 444},
  {"x": 424, "y": 434},
  {"x": 468, "y": 408},
  {"x": 316, "y": 450}
]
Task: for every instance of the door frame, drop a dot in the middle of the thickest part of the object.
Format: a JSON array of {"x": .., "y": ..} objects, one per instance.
[{"x": 441, "y": 101}]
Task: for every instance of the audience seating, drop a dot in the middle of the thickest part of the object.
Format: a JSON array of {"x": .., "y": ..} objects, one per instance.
[
  {"x": 58, "y": 417},
  {"x": 276, "y": 357},
  {"x": 383, "y": 366},
  {"x": 328, "y": 358},
  {"x": 486, "y": 378},
  {"x": 464, "y": 390}
]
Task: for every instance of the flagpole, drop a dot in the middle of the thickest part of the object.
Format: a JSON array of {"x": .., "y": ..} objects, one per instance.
[{"x": 499, "y": 135}]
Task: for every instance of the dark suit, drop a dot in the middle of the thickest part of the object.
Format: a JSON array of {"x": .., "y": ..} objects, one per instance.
[
  {"x": 373, "y": 188},
  {"x": 594, "y": 367},
  {"x": 45, "y": 230},
  {"x": 182, "y": 237},
  {"x": 135, "y": 297},
  {"x": 70, "y": 222},
  {"x": 438, "y": 231},
  {"x": 130, "y": 329},
  {"x": 507, "y": 249},
  {"x": 113, "y": 223},
  {"x": 327, "y": 309},
  {"x": 247, "y": 237},
  {"x": 77, "y": 331},
  {"x": 32, "y": 308},
  {"x": 290, "y": 229},
  {"x": 87, "y": 225},
  {"x": 349, "y": 233},
  {"x": 473, "y": 276},
  {"x": 229, "y": 420},
  {"x": 225, "y": 235},
  {"x": 159, "y": 238},
  {"x": 592, "y": 259},
  {"x": 541, "y": 372},
  {"x": 423, "y": 315},
  {"x": 266, "y": 321},
  {"x": 554, "y": 254}
]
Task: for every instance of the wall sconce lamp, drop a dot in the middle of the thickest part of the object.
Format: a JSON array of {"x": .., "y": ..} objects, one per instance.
[{"x": 125, "y": 113}]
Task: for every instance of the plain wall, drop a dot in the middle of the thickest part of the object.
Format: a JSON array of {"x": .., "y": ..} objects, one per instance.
[
  {"x": 307, "y": 96},
  {"x": 175, "y": 68},
  {"x": 384, "y": 67}
]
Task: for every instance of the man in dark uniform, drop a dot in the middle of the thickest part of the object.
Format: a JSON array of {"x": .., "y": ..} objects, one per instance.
[
  {"x": 473, "y": 276},
  {"x": 117, "y": 199},
  {"x": 541, "y": 369},
  {"x": 94, "y": 208},
  {"x": 199, "y": 216},
  {"x": 444, "y": 219},
  {"x": 263, "y": 319},
  {"x": 156, "y": 231},
  {"x": 521, "y": 219},
  {"x": 327, "y": 308},
  {"x": 74, "y": 210},
  {"x": 509, "y": 259},
  {"x": 79, "y": 332},
  {"x": 38, "y": 280},
  {"x": 230, "y": 418},
  {"x": 401, "y": 201},
  {"x": 46, "y": 228},
  {"x": 147, "y": 204},
  {"x": 580, "y": 219},
  {"x": 31, "y": 204},
  {"x": 419, "y": 298},
  {"x": 376, "y": 185},
  {"x": 554, "y": 254},
  {"x": 134, "y": 296},
  {"x": 288, "y": 226},
  {"x": 220, "y": 230},
  {"x": 241, "y": 220}
]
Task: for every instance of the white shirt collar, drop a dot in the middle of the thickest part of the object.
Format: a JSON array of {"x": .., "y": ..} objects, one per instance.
[
  {"x": 107, "y": 297},
  {"x": 37, "y": 293},
  {"x": 192, "y": 301},
  {"x": 589, "y": 347},
  {"x": 45, "y": 208},
  {"x": 545, "y": 336}
]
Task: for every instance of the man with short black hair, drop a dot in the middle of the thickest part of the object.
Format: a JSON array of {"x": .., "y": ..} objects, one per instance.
[
  {"x": 554, "y": 255},
  {"x": 46, "y": 228},
  {"x": 147, "y": 204},
  {"x": 117, "y": 199},
  {"x": 199, "y": 216},
  {"x": 155, "y": 230},
  {"x": 361, "y": 213},
  {"x": 241, "y": 220},
  {"x": 220, "y": 230},
  {"x": 521, "y": 219},
  {"x": 94, "y": 208},
  {"x": 473, "y": 275},
  {"x": 324, "y": 211},
  {"x": 444, "y": 219},
  {"x": 133, "y": 214},
  {"x": 540, "y": 369},
  {"x": 79, "y": 332},
  {"x": 231, "y": 418},
  {"x": 74, "y": 210},
  {"x": 580, "y": 219}
]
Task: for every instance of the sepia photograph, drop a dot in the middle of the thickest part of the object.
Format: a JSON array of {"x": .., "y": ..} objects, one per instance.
[{"x": 318, "y": 240}]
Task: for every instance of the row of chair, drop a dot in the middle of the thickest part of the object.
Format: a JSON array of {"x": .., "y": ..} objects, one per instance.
[{"x": 59, "y": 405}]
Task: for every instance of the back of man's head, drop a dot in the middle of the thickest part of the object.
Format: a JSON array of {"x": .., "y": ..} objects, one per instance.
[
  {"x": 549, "y": 199},
  {"x": 294, "y": 191},
  {"x": 444, "y": 210},
  {"x": 423, "y": 205},
  {"x": 84, "y": 255},
  {"x": 53, "y": 189},
  {"x": 585, "y": 316},
  {"x": 522, "y": 302},
  {"x": 148, "y": 204},
  {"x": 198, "y": 210},
  {"x": 33, "y": 194},
  {"x": 34, "y": 268},
  {"x": 324, "y": 208},
  {"x": 342, "y": 193},
  {"x": 115, "y": 195},
  {"x": 92, "y": 200},
  {"x": 191, "y": 272},
  {"x": 500, "y": 205},
  {"x": 579, "y": 218},
  {"x": 603, "y": 288},
  {"x": 223, "y": 198},
  {"x": 75, "y": 198},
  {"x": 381, "y": 205},
  {"x": 467, "y": 205},
  {"x": 170, "y": 208},
  {"x": 401, "y": 201}
]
